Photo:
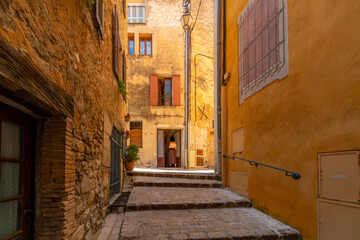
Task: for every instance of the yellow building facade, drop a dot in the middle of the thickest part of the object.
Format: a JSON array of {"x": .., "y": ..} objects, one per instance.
[
  {"x": 156, "y": 82},
  {"x": 296, "y": 108}
]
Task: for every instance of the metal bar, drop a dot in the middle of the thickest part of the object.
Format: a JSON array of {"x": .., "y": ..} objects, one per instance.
[{"x": 295, "y": 175}]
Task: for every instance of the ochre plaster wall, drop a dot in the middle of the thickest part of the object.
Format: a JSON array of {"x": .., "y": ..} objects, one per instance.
[
  {"x": 315, "y": 109},
  {"x": 167, "y": 59},
  {"x": 60, "y": 38}
]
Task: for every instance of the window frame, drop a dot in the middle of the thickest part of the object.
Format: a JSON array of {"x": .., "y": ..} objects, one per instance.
[
  {"x": 131, "y": 37},
  {"x": 135, "y": 19},
  {"x": 145, "y": 37},
  {"x": 257, "y": 85},
  {"x": 164, "y": 79}
]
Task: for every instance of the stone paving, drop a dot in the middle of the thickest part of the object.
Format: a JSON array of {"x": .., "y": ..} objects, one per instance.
[
  {"x": 224, "y": 223},
  {"x": 175, "y": 182},
  {"x": 189, "y": 213},
  {"x": 112, "y": 226},
  {"x": 146, "y": 198}
]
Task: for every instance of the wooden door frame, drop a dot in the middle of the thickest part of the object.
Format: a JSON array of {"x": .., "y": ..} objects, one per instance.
[
  {"x": 157, "y": 148},
  {"x": 27, "y": 125}
]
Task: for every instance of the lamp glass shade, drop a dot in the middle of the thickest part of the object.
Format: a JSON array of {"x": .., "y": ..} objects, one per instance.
[{"x": 185, "y": 20}]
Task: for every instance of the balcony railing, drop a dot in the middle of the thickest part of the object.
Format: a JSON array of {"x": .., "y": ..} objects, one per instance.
[{"x": 287, "y": 172}]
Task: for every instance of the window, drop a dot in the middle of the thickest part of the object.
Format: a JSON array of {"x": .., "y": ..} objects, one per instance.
[
  {"x": 262, "y": 46},
  {"x": 145, "y": 41},
  {"x": 131, "y": 44},
  {"x": 164, "y": 91},
  {"x": 136, "y": 133},
  {"x": 115, "y": 162},
  {"x": 136, "y": 14}
]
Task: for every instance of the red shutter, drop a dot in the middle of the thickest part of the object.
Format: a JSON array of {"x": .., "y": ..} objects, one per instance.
[
  {"x": 124, "y": 67},
  {"x": 176, "y": 90},
  {"x": 153, "y": 90}
]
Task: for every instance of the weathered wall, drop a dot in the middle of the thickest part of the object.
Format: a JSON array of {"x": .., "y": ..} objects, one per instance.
[
  {"x": 60, "y": 38},
  {"x": 163, "y": 21},
  {"x": 202, "y": 88},
  {"x": 315, "y": 109}
]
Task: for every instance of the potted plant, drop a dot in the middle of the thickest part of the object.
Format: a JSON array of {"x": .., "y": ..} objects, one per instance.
[
  {"x": 131, "y": 156},
  {"x": 127, "y": 117},
  {"x": 127, "y": 134}
]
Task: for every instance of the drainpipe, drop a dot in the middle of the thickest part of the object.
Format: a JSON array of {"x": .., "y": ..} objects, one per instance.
[
  {"x": 217, "y": 89},
  {"x": 187, "y": 160}
]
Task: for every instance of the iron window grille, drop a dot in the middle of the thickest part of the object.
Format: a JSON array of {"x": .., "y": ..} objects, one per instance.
[
  {"x": 136, "y": 13},
  {"x": 115, "y": 163},
  {"x": 262, "y": 46}
]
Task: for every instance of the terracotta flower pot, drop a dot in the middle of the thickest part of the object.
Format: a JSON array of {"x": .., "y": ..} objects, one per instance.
[
  {"x": 127, "y": 119},
  {"x": 127, "y": 136},
  {"x": 129, "y": 165}
]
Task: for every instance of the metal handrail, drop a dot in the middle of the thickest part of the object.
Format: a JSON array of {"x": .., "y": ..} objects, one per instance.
[{"x": 295, "y": 175}]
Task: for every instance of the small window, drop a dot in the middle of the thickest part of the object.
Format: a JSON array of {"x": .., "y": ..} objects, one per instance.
[
  {"x": 136, "y": 14},
  {"x": 165, "y": 92},
  {"x": 145, "y": 44},
  {"x": 136, "y": 133},
  {"x": 131, "y": 44}
]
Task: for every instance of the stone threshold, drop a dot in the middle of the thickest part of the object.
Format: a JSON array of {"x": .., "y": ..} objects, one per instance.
[
  {"x": 184, "y": 206},
  {"x": 207, "y": 176},
  {"x": 141, "y": 181}
]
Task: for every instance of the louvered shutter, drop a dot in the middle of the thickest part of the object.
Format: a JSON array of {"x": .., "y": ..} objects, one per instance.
[
  {"x": 136, "y": 137},
  {"x": 124, "y": 8},
  {"x": 153, "y": 90},
  {"x": 116, "y": 44},
  {"x": 176, "y": 90},
  {"x": 99, "y": 16},
  {"x": 124, "y": 66}
]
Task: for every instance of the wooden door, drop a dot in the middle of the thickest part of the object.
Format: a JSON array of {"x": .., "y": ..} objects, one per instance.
[
  {"x": 16, "y": 205},
  {"x": 160, "y": 148}
]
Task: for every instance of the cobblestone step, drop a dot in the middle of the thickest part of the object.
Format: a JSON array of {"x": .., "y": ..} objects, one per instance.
[
  {"x": 224, "y": 223},
  {"x": 175, "y": 182},
  {"x": 207, "y": 176},
  {"x": 147, "y": 198}
]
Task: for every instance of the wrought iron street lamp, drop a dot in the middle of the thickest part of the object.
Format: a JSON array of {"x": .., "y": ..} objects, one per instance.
[
  {"x": 186, "y": 20},
  {"x": 186, "y": 24}
]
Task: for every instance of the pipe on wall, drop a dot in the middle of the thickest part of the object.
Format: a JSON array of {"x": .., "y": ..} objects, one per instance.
[{"x": 217, "y": 89}]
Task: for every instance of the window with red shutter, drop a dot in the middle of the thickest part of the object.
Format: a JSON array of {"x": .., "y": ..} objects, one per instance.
[
  {"x": 263, "y": 44},
  {"x": 99, "y": 16},
  {"x": 153, "y": 90},
  {"x": 176, "y": 90}
]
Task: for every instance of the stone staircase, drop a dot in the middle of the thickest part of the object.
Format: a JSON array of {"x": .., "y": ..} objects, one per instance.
[{"x": 193, "y": 206}]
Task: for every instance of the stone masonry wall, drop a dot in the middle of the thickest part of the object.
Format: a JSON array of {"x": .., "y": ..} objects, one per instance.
[{"x": 60, "y": 38}]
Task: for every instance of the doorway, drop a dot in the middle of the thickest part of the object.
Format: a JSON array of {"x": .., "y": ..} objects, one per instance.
[
  {"x": 16, "y": 193},
  {"x": 163, "y": 141}
]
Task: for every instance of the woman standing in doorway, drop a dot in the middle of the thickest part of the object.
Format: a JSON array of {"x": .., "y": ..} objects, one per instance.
[{"x": 172, "y": 152}]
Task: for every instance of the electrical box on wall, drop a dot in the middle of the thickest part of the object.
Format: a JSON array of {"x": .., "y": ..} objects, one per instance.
[{"x": 339, "y": 176}]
